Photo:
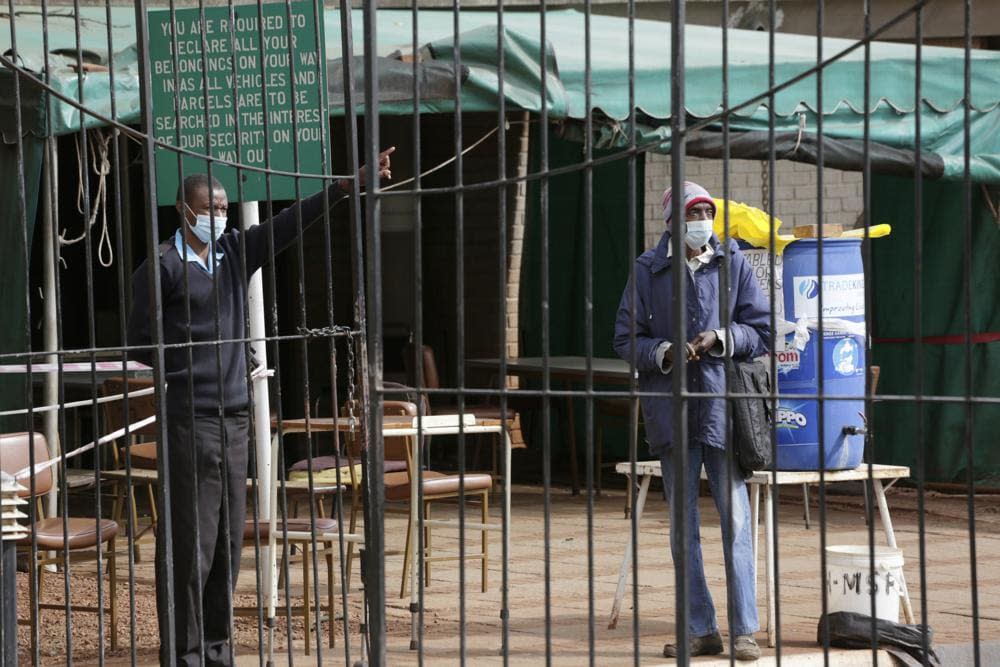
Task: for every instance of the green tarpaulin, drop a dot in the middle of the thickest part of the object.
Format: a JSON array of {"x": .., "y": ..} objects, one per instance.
[
  {"x": 892, "y": 114},
  {"x": 17, "y": 217},
  {"x": 892, "y": 74},
  {"x": 568, "y": 266},
  {"x": 943, "y": 327}
]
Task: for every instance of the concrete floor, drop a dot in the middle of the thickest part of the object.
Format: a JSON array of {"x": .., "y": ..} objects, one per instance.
[
  {"x": 578, "y": 612},
  {"x": 567, "y": 617}
]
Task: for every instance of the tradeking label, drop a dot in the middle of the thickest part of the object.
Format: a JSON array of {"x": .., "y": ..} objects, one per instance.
[{"x": 843, "y": 295}]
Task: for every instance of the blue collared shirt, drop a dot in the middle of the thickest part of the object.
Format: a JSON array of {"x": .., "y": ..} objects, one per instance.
[{"x": 192, "y": 256}]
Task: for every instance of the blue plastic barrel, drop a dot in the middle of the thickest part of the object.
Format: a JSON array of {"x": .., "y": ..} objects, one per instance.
[{"x": 843, "y": 353}]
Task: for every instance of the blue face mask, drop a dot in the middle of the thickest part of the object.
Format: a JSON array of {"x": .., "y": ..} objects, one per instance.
[{"x": 203, "y": 226}]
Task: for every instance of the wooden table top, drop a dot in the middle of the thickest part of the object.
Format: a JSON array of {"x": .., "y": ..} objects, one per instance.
[
  {"x": 878, "y": 471},
  {"x": 389, "y": 423},
  {"x": 145, "y": 476},
  {"x": 604, "y": 369}
]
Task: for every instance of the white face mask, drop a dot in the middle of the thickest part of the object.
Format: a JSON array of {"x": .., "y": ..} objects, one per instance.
[
  {"x": 698, "y": 233},
  {"x": 203, "y": 226}
]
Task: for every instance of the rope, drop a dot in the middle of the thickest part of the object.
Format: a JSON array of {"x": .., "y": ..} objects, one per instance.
[
  {"x": 802, "y": 127},
  {"x": 443, "y": 164},
  {"x": 989, "y": 202},
  {"x": 102, "y": 167}
]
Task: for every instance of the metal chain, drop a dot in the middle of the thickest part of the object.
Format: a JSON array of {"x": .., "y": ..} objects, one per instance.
[
  {"x": 765, "y": 193},
  {"x": 327, "y": 332},
  {"x": 349, "y": 334},
  {"x": 351, "y": 386}
]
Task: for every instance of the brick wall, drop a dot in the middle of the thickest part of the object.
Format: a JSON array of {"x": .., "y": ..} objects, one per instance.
[
  {"x": 793, "y": 190},
  {"x": 517, "y": 219},
  {"x": 485, "y": 296}
]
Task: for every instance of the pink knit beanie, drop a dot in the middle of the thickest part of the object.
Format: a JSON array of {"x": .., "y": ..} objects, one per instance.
[{"x": 693, "y": 194}]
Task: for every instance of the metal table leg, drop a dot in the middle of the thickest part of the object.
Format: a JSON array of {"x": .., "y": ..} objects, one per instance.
[
  {"x": 571, "y": 433},
  {"x": 770, "y": 592},
  {"x": 805, "y": 504},
  {"x": 505, "y": 586},
  {"x": 755, "y": 521},
  {"x": 415, "y": 557},
  {"x": 640, "y": 503}
]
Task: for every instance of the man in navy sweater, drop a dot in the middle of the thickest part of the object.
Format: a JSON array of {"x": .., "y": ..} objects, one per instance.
[{"x": 204, "y": 301}]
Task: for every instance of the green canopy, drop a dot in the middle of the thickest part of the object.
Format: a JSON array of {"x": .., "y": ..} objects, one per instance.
[
  {"x": 892, "y": 75},
  {"x": 796, "y": 114}
]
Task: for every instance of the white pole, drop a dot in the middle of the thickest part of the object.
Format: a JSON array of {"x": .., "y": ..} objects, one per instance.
[
  {"x": 266, "y": 468},
  {"x": 51, "y": 340}
]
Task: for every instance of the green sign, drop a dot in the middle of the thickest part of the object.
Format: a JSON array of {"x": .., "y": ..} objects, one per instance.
[{"x": 238, "y": 89}]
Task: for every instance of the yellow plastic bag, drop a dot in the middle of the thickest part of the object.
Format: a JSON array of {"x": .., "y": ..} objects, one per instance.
[
  {"x": 875, "y": 232},
  {"x": 749, "y": 224}
]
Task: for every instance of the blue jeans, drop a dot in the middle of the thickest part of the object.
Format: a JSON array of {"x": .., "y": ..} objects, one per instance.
[{"x": 725, "y": 482}]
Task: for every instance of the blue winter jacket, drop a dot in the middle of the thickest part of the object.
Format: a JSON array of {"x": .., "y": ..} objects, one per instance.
[{"x": 749, "y": 330}]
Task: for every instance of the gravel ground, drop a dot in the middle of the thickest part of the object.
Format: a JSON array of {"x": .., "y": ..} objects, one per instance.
[
  {"x": 946, "y": 518},
  {"x": 52, "y": 639}
]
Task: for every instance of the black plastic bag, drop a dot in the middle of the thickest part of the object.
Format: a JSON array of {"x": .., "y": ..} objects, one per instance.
[
  {"x": 751, "y": 416},
  {"x": 905, "y": 642}
]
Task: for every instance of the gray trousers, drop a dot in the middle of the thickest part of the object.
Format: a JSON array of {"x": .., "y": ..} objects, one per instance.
[{"x": 206, "y": 546}]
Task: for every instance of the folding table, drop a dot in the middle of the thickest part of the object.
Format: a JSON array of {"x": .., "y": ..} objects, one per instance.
[{"x": 647, "y": 470}]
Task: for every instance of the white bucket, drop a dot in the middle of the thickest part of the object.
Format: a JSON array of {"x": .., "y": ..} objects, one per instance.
[{"x": 850, "y": 581}]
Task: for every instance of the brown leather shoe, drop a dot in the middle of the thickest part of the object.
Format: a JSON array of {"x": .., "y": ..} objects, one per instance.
[
  {"x": 705, "y": 645},
  {"x": 745, "y": 648}
]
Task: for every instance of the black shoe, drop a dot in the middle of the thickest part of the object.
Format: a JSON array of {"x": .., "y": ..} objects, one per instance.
[
  {"x": 745, "y": 648},
  {"x": 706, "y": 645}
]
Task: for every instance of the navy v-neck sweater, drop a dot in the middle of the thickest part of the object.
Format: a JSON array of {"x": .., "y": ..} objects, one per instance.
[{"x": 209, "y": 370}]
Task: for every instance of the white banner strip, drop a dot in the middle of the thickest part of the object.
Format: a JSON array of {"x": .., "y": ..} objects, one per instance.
[
  {"x": 77, "y": 367},
  {"x": 45, "y": 465},
  {"x": 80, "y": 404}
]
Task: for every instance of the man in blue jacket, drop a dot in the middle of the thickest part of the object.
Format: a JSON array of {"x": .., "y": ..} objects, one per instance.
[{"x": 747, "y": 336}]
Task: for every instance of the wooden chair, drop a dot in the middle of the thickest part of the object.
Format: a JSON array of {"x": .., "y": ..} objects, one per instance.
[
  {"x": 325, "y": 466},
  {"x": 79, "y": 535},
  {"x": 444, "y": 405},
  {"x": 436, "y": 487},
  {"x": 298, "y": 533},
  {"x": 324, "y": 484},
  {"x": 134, "y": 459}
]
